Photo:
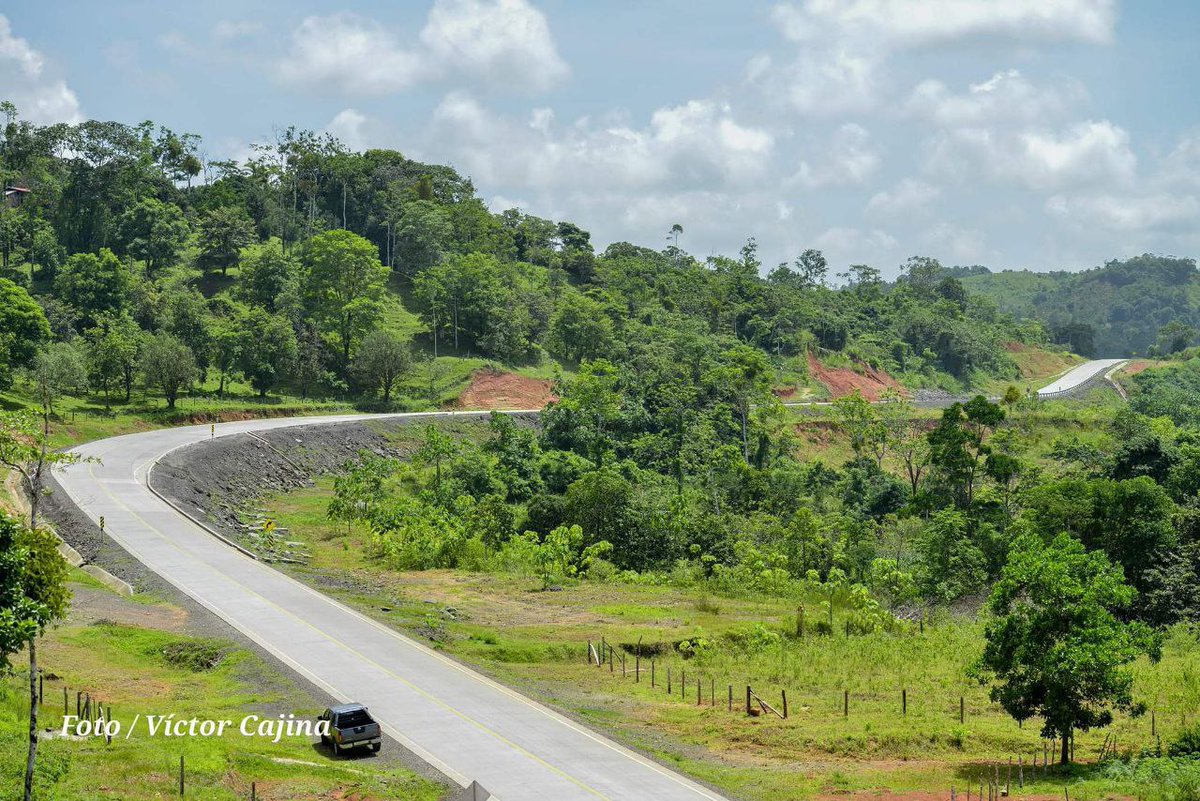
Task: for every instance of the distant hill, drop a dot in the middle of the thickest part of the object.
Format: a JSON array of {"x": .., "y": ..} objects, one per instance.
[{"x": 1114, "y": 310}]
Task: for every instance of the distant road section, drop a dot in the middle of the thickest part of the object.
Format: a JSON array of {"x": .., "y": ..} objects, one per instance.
[{"x": 1076, "y": 378}]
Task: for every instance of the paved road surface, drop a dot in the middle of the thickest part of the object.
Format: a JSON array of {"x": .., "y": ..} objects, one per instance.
[
  {"x": 1078, "y": 376},
  {"x": 463, "y": 724}
]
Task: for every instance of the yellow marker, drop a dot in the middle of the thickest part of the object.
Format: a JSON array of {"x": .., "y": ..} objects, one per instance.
[
  {"x": 212, "y": 431},
  {"x": 102, "y": 522}
]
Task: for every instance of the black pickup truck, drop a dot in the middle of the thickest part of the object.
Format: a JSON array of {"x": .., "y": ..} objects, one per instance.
[{"x": 350, "y": 726}]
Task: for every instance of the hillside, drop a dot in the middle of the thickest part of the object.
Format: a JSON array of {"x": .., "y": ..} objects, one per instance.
[
  {"x": 1119, "y": 309},
  {"x": 311, "y": 271}
]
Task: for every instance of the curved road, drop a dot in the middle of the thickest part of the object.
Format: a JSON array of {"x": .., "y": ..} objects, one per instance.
[
  {"x": 1077, "y": 376},
  {"x": 465, "y": 725}
]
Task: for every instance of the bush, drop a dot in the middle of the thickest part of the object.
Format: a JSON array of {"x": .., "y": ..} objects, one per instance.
[{"x": 1186, "y": 743}]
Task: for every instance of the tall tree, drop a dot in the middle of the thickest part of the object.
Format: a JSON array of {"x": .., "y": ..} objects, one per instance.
[
  {"x": 224, "y": 231},
  {"x": 168, "y": 364},
  {"x": 154, "y": 232},
  {"x": 94, "y": 284},
  {"x": 268, "y": 273},
  {"x": 381, "y": 360},
  {"x": 1056, "y": 647},
  {"x": 344, "y": 283},
  {"x": 44, "y": 585},
  {"x": 267, "y": 350},
  {"x": 23, "y": 328}
]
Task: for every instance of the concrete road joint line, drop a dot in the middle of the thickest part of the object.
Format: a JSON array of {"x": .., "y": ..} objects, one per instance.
[{"x": 142, "y": 473}]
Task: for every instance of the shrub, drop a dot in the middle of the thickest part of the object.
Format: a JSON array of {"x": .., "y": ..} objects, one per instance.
[{"x": 1186, "y": 743}]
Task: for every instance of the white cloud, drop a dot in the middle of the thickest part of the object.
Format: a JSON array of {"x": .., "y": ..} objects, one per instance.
[
  {"x": 502, "y": 43},
  {"x": 848, "y": 245},
  {"x": 507, "y": 41},
  {"x": 824, "y": 82},
  {"x": 1127, "y": 213},
  {"x": 1090, "y": 153},
  {"x": 956, "y": 244},
  {"x": 348, "y": 126},
  {"x": 351, "y": 54},
  {"x": 913, "y": 24},
  {"x": 907, "y": 197},
  {"x": 698, "y": 144},
  {"x": 851, "y": 159},
  {"x": 38, "y": 97},
  {"x": 842, "y": 45},
  {"x": 1006, "y": 97}
]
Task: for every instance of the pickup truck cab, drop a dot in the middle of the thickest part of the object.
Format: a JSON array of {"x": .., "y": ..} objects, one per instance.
[{"x": 350, "y": 726}]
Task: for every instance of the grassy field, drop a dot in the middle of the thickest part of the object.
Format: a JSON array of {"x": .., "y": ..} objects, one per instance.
[
  {"x": 135, "y": 656},
  {"x": 537, "y": 641}
]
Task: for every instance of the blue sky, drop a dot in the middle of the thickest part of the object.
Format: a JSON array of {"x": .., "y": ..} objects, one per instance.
[{"x": 1025, "y": 133}]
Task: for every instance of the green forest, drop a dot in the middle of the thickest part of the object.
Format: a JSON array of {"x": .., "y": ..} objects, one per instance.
[
  {"x": 136, "y": 275},
  {"x": 1143, "y": 306},
  {"x": 138, "y": 256}
]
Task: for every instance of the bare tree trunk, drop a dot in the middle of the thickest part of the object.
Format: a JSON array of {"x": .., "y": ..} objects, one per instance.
[
  {"x": 33, "y": 718},
  {"x": 1066, "y": 750}
]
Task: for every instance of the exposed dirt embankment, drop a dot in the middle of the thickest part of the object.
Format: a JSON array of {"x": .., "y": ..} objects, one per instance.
[
  {"x": 842, "y": 381},
  {"x": 214, "y": 480},
  {"x": 492, "y": 389}
]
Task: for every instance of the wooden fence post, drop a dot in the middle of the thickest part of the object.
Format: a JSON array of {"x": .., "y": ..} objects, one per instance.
[
  {"x": 904, "y": 701},
  {"x": 784, "y": 703},
  {"x": 682, "y": 682},
  {"x": 668, "y": 679},
  {"x": 747, "y": 699},
  {"x": 181, "y": 775},
  {"x": 962, "y": 713},
  {"x": 637, "y": 663},
  {"x": 845, "y": 703},
  {"x": 652, "y": 673},
  {"x": 712, "y": 691},
  {"x": 697, "y": 691},
  {"x": 253, "y": 791},
  {"x": 66, "y": 708},
  {"x": 730, "y": 697}
]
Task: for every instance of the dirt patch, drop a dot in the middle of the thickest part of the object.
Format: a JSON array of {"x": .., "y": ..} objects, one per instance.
[
  {"x": 842, "y": 381},
  {"x": 90, "y": 605},
  {"x": 1136, "y": 366},
  {"x": 493, "y": 389}
]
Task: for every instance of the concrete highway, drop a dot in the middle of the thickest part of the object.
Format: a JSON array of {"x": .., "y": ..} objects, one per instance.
[
  {"x": 1077, "y": 376},
  {"x": 463, "y": 724}
]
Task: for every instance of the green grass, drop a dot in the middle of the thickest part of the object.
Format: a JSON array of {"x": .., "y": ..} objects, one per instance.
[
  {"x": 145, "y": 671},
  {"x": 535, "y": 641}
]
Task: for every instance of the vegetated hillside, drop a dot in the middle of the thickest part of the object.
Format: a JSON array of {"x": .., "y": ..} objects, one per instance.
[
  {"x": 131, "y": 264},
  {"x": 1120, "y": 309}
]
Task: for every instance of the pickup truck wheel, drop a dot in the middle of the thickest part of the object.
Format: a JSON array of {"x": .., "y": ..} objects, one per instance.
[{"x": 375, "y": 747}]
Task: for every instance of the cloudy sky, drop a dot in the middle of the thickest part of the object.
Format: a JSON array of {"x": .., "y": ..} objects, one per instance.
[{"x": 1014, "y": 133}]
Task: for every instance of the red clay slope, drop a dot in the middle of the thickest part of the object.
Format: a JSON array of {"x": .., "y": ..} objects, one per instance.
[
  {"x": 492, "y": 389},
  {"x": 842, "y": 381}
]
